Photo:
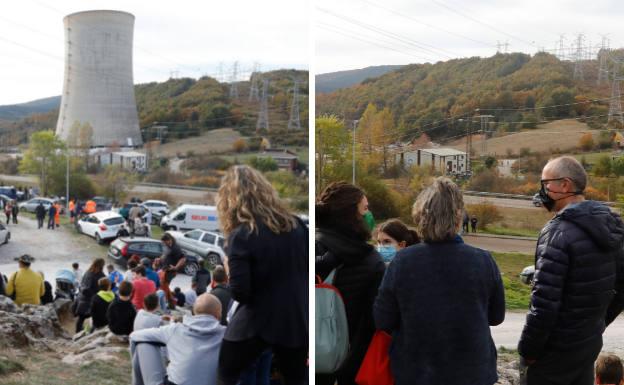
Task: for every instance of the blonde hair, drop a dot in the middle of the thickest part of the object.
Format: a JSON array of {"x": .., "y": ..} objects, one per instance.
[
  {"x": 246, "y": 196},
  {"x": 436, "y": 209}
]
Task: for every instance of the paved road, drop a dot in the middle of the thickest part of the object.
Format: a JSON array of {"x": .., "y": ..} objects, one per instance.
[
  {"x": 502, "y": 245},
  {"x": 508, "y": 333},
  {"x": 55, "y": 250},
  {"x": 501, "y": 202}
]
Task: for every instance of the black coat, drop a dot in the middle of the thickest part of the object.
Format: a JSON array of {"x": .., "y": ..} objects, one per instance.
[
  {"x": 47, "y": 295},
  {"x": 578, "y": 282},
  {"x": 358, "y": 278},
  {"x": 438, "y": 300},
  {"x": 99, "y": 307},
  {"x": 269, "y": 279},
  {"x": 225, "y": 297},
  {"x": 40, "y": 211},
  {"x": 120, "y": 316},
  {"x": 88, "y": 288}
]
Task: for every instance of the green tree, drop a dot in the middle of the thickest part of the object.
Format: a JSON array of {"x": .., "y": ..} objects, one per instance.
[
  {"x": 490, "y": 162},
  {"x": 617, "y": 166},
  {"x": 44, "y": 151},
  {"x": 116, "y": 183},
  {"x": 333, "y": 148},
  {"x": 603, "y": 166},
  {"x": 263, "y": 164}
]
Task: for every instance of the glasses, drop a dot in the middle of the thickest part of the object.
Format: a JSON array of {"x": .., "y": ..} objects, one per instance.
[{"x": 546, "y": 181}]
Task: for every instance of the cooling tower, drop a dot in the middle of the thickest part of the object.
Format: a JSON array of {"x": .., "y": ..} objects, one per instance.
[{"x": 98, "y": 86}]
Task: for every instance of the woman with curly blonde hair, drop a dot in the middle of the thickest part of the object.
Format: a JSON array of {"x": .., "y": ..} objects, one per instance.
[{"x": 267, "y": 259}]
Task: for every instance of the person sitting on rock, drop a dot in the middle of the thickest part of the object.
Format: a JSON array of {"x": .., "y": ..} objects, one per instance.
[
  {"x": 141, "y": 287},
  {"x": 47, "y": 296},
  {"x": 180, "y": 298},
  {"x": 192, "y": 345},
  {"x": 25, "y": 285},
  {"x": 100, "y": 303},
  {"x": 121, "y": 312},
  {"x": 147, "y": 318}
]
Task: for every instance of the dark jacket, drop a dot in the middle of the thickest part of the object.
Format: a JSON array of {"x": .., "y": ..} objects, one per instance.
[
  {"x": 88, "y": 288},
  {"x": 202, "y": 279},
  {"x": 52, "y": 211},
  {"x": 120, "y": 316},
  {"x": 438, "y": 300},
  {"x": 47, "y": 295},
  {"x": 172, "y": 255},
  {"x": 40, "y": 211},
  {"x": 269, "y": 278},
  {"x": 578, "y": 283},
  {"x": 225, "y": 297},
  {"x": 358, "y": 278},
  {"x": 99, "y": 307},
  {"x": 15, "y": 209}
]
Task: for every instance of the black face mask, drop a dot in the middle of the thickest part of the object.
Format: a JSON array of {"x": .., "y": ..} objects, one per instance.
[{"x": 548, "y": 202}]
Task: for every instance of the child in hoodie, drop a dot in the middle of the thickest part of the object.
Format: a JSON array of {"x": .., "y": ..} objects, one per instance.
[{"x": 100, "y": 303}]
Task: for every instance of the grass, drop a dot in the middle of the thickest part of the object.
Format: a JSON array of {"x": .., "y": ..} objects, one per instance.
[
  {"x": 8, "y": 366},
  {"x": 47, "y": 369},
  {"x": 496, "y": 230},
  {"x": 519, "y": 222},
  {"x": 517, "y": 294},
  {"x": 592, "y": 157}
]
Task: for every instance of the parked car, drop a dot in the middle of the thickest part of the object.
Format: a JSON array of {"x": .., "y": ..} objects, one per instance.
[
  {"x": 156, "y": 207},
  {"x": 102, "y": 204},
  {"x": 526, "y": 276},
  {"x": 121, "y": 249},
  {"x": 102, "y": 225},
  {"x": 189, "y": 217},
  {"x": 206, "y": 244},
  {"x": 32, "y": 204},
  {"x": 5, "y": 234},
  {"x": 537, "y": 201}
]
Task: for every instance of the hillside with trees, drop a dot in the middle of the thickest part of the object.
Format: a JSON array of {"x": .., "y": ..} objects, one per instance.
[
  {"x": 517, "y": 90},
  {"x": 190, "y": 107},
  {"x": 332, "y": 81}
]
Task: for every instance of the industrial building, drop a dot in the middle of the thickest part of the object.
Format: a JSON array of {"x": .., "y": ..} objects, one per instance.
[
  {"x": 98, "y": 87},
  {"x": 447, "y": 161}
]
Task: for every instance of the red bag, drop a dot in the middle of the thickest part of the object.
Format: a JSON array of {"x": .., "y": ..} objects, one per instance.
[{"x": 375, "y": 369}]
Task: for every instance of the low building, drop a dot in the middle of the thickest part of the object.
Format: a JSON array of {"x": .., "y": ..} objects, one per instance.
[
  {"x": 506, "y": 166},
  {"x": 448, "y": 161},
  {"x": 286, "y": 160},
  {"x": 128, "y": 160}
]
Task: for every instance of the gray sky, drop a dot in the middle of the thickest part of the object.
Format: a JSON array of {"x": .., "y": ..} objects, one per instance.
[
  {"x": 352, "y": 34},
  {"x": 188, "y": 36}
]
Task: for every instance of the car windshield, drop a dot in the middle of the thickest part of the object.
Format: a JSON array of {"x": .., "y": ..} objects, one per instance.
[{"x": 114, "y": 221}]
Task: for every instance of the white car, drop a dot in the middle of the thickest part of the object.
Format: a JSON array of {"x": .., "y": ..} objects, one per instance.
[
  {"x": 206, "y": 244},
  {"x": 156, "y": 207},
  {"x": 102, "y": 225},
  {"x": 5, "y": 234}
]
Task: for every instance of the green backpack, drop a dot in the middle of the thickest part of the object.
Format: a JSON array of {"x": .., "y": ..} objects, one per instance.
[{"x": 332, "y": 331}]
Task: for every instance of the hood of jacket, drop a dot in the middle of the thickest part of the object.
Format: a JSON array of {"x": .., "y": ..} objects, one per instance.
[
  {"x": 346, "y": 248},
  {"x": 107, "y": 296},
  {"x": 598, "y": 221},
  {"x": 201, "y": 325}
]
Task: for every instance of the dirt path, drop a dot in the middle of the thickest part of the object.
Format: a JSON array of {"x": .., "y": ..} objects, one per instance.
[{"x": 502, "y": 245}]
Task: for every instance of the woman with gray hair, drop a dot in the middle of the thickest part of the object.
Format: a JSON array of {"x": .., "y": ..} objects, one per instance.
[{"x": 439, "y": 298}]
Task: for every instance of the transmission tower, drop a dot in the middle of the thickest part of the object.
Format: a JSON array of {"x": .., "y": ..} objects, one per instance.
[
  {"x": 263, "y": 117},
  {"x": 603, "y": 55},
  {"x": 233, "y": 82},
  {"x": 498, "y": 46},
  {"x": 294, "y": 121},
  {"x": 615, "y": 105},
  {"x": 562, "y": 53},
  {"x": 254, "y": 93},
  {"x": 220, "y": 79},
  {"x": 578, "y": 60}
]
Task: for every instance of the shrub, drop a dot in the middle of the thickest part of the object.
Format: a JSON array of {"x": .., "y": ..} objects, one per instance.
[
  {"x": 263, "y": 164},
  {"x": 239, "y": 145},
  {"x": 485, "y": 212}
]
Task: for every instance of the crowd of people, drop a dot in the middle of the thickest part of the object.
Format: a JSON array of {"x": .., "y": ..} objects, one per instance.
[
  {"x": 436, "y": 296},
  {"x": 247, "y": 316}
]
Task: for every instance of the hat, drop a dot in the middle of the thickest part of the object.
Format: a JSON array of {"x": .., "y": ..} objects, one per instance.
[
  {"x": 25, "y": 259},
  {"x": 146, "y": 262}
]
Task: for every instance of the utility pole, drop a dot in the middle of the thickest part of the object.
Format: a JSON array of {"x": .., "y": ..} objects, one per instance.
[
  {"x": 294, "y": 121},
  {"x": 263, "y": 116},
  {"x": 485, "y": 130},
  {"x": 603, "y": 70},
  {"x": 355, "y": 122}
]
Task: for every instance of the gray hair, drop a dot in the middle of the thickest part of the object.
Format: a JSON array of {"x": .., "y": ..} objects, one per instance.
[
  {"x": 569, "y": 167},
  {"x": 436, "y": 211}
]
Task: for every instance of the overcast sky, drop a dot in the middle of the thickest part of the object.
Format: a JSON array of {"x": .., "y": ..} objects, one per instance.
[
  {"x": 188, "y": 36},
  {"x": 359, "y": 33}
]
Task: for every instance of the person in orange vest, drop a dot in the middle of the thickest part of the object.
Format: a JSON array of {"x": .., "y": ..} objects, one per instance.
[
  {"x": 57, "y": 215},
  {"x": 90, "y": 207},
  {"x": 72, "y": 206}
]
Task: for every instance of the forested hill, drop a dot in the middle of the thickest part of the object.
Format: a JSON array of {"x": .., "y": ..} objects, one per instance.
[
  {"x": 190, "y": 106},
  {"x": 516, "y": 89},
  {"x": 335, "y": 80}
]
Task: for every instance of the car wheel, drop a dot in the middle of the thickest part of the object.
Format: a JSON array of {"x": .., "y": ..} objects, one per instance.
[
  {"x": 6, "y": 240},
  {"x": 98, "y": 239},
  {"x": 191, "y": 268},
  {"x": 79, "y": 229},
  {"x": 213, "y": 260}
]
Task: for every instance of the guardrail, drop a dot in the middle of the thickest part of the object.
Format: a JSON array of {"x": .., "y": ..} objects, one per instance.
[{"x": 517, "y": 196}]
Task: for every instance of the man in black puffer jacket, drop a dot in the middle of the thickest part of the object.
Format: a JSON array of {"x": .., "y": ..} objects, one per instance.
[{"x": 578, "y": 285}]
